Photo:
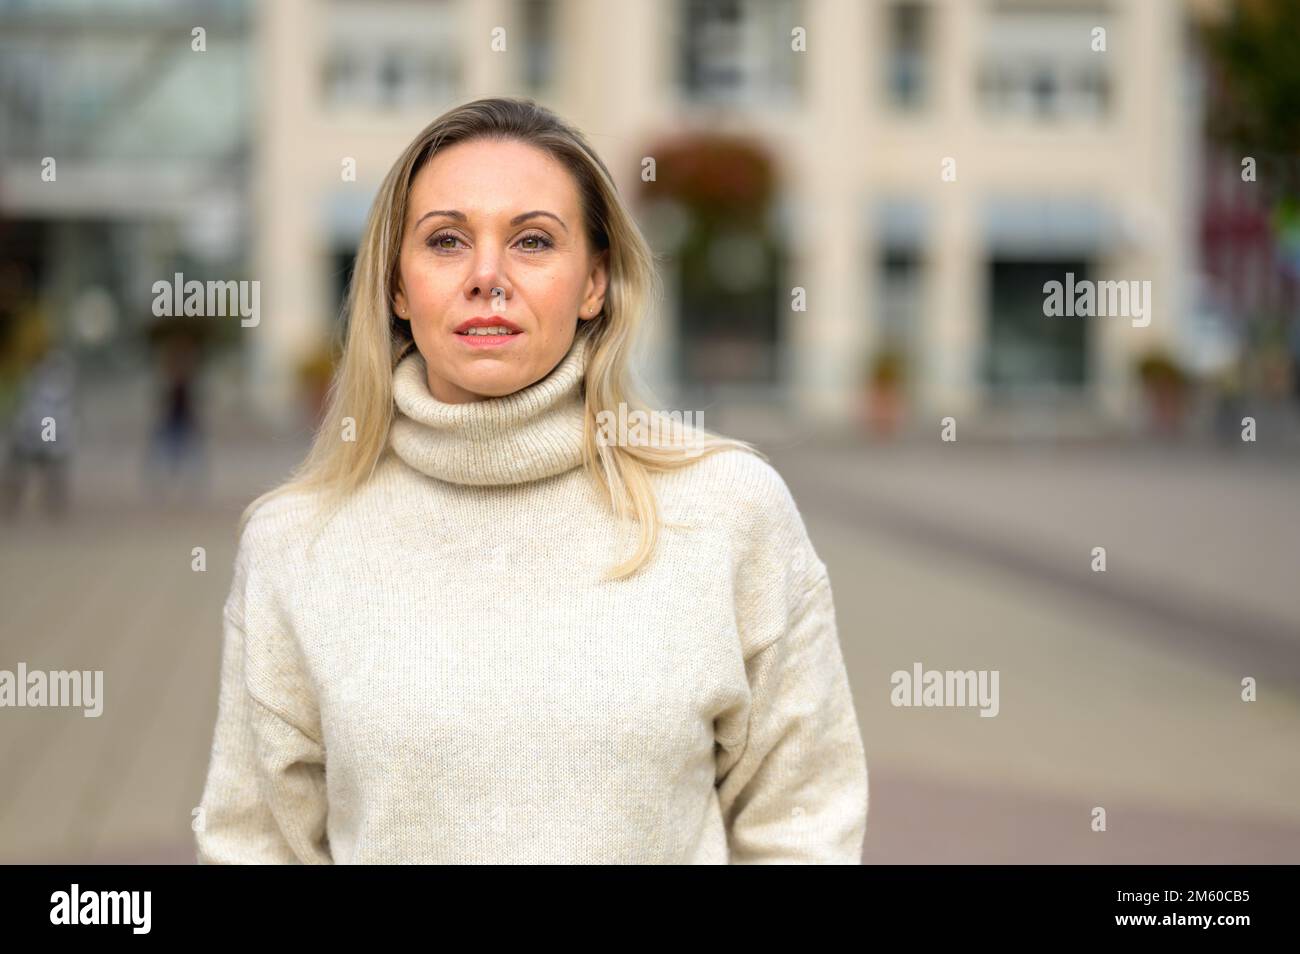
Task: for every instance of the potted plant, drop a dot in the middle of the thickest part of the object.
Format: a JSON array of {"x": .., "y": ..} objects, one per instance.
[
  {"x": 315, "y": 373},
  {"x": 884, "y": 399},
  {"x": 1165, "y": 387}
]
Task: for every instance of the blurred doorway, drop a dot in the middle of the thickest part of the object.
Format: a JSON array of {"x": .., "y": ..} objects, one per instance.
[
  {"x": 728, "y": 330},
  {"x": 1025, "y": 350}
]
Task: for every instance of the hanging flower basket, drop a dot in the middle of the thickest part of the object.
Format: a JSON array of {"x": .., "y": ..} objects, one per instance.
[{"x": 715, "y": 176}]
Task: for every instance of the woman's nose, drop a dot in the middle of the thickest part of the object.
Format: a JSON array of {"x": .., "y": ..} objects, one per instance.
[{"x": 487, "y": 276}]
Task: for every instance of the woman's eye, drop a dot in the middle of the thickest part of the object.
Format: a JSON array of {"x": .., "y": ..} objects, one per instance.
[
  {"x": 437, "y": 240},
  {"x": 541, "y": 242},
  {"x": 443, "y": 237}
]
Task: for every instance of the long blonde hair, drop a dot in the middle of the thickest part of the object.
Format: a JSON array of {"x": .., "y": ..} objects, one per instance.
[{"x": 376, "y": 339}]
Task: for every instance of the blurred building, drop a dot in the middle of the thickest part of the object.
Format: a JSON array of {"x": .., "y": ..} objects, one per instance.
[
  {"x": 124, "y": 145},
  {"x": 1067, "y": 158},
  {"x": 1063, "y": 156}
]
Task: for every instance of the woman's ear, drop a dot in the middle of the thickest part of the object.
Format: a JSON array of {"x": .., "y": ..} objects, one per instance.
[
  {"x": 399, "y": 304},
  {"x": 600, "y": 286}
]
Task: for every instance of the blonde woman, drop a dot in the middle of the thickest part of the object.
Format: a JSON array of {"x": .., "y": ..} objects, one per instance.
[{"x": 480, "y": 623}]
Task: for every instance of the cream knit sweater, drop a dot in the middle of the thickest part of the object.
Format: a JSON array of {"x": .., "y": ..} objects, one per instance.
[{"x": 441, "y": 675}]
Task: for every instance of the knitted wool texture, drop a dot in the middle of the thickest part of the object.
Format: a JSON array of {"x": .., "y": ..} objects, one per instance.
[{"x": 441, "y": 676}]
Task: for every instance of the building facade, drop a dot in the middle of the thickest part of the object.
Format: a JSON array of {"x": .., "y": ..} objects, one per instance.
[{"x": 937, "y": 163}]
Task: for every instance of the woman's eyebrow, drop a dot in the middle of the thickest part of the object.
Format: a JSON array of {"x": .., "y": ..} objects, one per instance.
[
  {"x": 528, "y": 215},
  {"x": 461, "y": 217}
]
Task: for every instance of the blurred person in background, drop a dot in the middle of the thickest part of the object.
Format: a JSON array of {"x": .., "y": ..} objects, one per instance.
[
  {"x": 177, "y": 454},
  {"x": 40, "y": 435}
]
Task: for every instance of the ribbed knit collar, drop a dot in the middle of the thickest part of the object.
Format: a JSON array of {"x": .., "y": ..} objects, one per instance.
[{"x": 533, "y": 433}]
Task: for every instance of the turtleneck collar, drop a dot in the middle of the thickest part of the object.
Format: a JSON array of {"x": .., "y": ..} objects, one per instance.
[{"x": 533, "y": 433}]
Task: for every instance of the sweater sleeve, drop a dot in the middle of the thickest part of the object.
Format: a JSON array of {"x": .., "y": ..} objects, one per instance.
[
  {"x": 791, "y": 765},
  {"x": 264, "y": 800}
]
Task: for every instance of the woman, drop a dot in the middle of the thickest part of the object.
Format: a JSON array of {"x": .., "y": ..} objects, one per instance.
[{"x": 432, "y": 652}]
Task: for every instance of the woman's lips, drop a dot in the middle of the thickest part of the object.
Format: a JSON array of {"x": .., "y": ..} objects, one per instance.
[
  {"x": 488, "y": 341},
  {"x": 474, "y": 331}
]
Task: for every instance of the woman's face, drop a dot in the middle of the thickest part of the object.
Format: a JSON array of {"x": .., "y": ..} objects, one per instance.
[{"x": 483, "y": 215}]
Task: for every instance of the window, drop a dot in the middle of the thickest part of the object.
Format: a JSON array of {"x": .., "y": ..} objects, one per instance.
[
  {"x": 907, "y": 64},
  {"x": 1038, "y": 63},
  {"x": 739, "y": 51},
  {"x": 903, "y": 227},
  {"x": 900, "y": 297},
  {"x": 538, "y": 19},
  {"x": 396, "y": 55}
]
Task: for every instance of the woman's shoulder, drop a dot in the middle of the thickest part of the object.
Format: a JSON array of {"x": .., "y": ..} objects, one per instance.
[
  {"x": 277, "y": 522},
  {"x": 740, "y": 488},
  {"x": 743, "y": 496},
  {"x": 265, "y": 546},
  {"x": 746, "y": 472}
]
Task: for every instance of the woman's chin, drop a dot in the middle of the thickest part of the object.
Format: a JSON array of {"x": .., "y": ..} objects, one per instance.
[{"x": 488, "y": 385}]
